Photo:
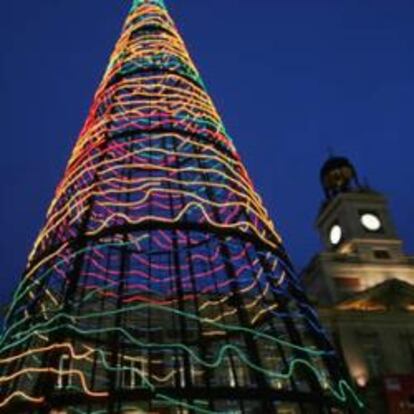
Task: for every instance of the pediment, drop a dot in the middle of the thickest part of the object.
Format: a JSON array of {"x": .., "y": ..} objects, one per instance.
[{"x": 393, "y": 294}]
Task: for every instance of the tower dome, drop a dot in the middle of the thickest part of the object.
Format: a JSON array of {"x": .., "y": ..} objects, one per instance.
[{"x": 338, "y": 175}]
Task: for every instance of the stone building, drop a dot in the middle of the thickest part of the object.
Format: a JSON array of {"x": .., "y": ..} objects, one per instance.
[{"x": 363, "y": 285}]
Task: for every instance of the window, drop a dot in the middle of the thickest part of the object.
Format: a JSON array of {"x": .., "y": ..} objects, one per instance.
[
  {"x": 348, "y": 283},
  {"x": 372, "y": 353},
  {"x": 232, "y": 376},
  {"x": 408, "y": 341},
  {"x": 382, "y": 254},
  {"x": 64, "y": 378},
  {"x": 287, "y": 409},
  {"x": 131, "y": 373},
  {"x": 180, "y": 371}
]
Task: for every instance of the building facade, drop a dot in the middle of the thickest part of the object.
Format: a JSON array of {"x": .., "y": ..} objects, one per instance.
[{"x": 363, "y": 285}]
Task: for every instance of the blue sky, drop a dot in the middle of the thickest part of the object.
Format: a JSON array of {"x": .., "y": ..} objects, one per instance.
[{"x": 291, "y": 79}]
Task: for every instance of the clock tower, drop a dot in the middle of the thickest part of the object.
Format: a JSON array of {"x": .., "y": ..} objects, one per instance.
[
  {"x": 362, "y": 284},
  {"x": 361, "y": 244},
  {"x": 354, "y": 218}
]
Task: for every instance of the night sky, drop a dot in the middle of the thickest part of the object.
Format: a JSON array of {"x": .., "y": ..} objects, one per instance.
[{"x": 291, "y": 79}]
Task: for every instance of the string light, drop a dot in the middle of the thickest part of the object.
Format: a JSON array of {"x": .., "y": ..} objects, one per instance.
[{"x": 156, "y": 218}]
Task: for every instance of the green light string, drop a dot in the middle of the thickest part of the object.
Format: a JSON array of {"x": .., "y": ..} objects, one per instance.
[
  {"x": 136, "y": 308},
  {"x": 339, "y": 394},
  {"x": 142, "y": 307},
  {"x": 138, "y": 3}
]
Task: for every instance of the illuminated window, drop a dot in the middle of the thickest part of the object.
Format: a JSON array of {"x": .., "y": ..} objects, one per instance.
[
  {"x": 232, "y": 376},
  {"x": 180, "y": 371},
  {"x": 131, "y": 377},
  {"x": 64, "y": 378},
  {"x": 287, "y": 410},
  {"x": 348, "y": 283},
  {"x": 58, "y": 411}
]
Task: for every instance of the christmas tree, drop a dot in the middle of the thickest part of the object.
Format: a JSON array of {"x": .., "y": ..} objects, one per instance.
[{"x": 158, "y": 283}]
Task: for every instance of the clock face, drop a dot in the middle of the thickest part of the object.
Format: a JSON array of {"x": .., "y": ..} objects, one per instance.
[
  {"x": 371, "y": 222},
  {"x": 335, "y": 234}
]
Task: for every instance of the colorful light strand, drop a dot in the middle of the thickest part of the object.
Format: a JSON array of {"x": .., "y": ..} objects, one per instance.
[{"x": 158, "y": 267}]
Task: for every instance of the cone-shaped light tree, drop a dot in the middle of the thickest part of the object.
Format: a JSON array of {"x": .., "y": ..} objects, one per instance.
[{"x": 158, "y": 283}]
